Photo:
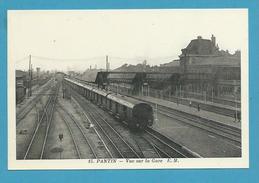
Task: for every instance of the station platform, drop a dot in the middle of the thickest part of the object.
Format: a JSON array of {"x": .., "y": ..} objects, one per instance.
[
  {"x": 193, "y": 110},
  {"x": 218, "y": 108},
  {"x": 212, "y": 104}
]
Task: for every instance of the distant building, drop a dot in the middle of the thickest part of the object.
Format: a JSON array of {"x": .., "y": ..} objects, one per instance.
[
  {"x": 20, "y": 85},
  {"x": 203, "y": 71},
  {"x": 20, "y": 77},
  {"x": 206, "y": 52},
  {"x": 173, "y": 67},
  {"x": 208, "y": 71}
]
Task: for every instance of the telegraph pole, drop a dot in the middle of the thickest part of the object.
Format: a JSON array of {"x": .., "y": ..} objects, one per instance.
[
  {"x": 30, "y": 76},
  {"x": 29, "y": 79},
  {"x": 38, "y": 75},
  {"x": 106, "y": 83},
  {"x": 107, "y": 64}
]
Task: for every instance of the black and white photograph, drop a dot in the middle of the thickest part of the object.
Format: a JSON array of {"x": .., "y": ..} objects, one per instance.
[{"x": 128, "y": 89}]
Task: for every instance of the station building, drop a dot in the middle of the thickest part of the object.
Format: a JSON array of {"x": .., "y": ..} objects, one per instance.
[
  {"x": 202, "y": 72},
  {"x": 209, "y": 72}
]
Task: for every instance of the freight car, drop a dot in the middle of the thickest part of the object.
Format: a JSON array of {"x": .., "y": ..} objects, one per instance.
[
  {"x": 20, "y": 93},
  {"x": 135, "y": 113}
]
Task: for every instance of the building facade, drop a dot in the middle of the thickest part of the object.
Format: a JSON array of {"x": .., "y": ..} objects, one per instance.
[
  {"x": 209, "y": 72},
  {"x": 203, "y": 71}
]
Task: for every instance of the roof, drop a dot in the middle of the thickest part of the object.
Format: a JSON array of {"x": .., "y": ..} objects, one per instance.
[
  {"x": 19, "y": 74},
  {"x": 158, "y": 76},
  {"x": 121, "y": 75},
  {"x": 174, "y": 63},
  {"x": 90, "y": 75},
  {"x": 201, "y": 47}
]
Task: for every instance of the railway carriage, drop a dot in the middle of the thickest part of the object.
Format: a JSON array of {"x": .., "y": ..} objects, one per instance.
[
  {"x": 134, "y": 112},
  {"x": 100, "y": 96},
  {"x": 137, "y": 114}
]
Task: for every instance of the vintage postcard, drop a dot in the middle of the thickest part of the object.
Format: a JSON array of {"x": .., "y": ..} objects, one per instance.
[{"x": 128, "y": 89}]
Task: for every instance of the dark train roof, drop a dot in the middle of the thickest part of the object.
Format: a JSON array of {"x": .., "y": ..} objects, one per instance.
[
  {"x": 96, "y": 90},
  {"x": 80, "y": 84},
  {"x": 124, "y": 100},
  {"x": 100, "y": 92},
  {"x": 121, "y": 99}
]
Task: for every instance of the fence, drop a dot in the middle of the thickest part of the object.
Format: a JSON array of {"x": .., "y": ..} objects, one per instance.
[
  {"x": 183, "y": 95},
  {"x": 177, "y": 96}
]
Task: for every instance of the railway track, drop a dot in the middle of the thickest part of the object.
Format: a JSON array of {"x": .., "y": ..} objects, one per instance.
[
  {"x": 36, "y": 146},
  {"x": 225, "y": 131},
  {"x": 228, "y": 132},
  {"x": 90, "y": 123},
  {"x": 151, "y": 143},
  {"x": 167, "y": 147},
  {"x": 209, "y": 107},
  {"x": 147, "y": 148},
  {"x": 219, "y": 110},
  {"x": 25, "y": 110},
  {"x": 117, "y": 145},
  {"x": 82, "y": 144}
]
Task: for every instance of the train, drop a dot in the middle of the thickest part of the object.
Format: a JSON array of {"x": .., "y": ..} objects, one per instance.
[{"x": 136, "y": 114}]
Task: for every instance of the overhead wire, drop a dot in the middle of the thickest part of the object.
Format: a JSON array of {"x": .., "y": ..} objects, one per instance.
[
  {"x": 143, "y": 58},
  {"x": 21, "y": 59},
  {"x": 66, "y": 59},
  {"x": 126, "y": 59},
  {"x": 91, "y": 58}
]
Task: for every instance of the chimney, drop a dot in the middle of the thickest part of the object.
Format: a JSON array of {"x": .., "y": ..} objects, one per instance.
[{"x": 213, "y": 40}]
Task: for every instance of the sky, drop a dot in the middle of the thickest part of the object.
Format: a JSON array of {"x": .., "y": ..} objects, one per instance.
[{"x": 76, "y": 40}]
